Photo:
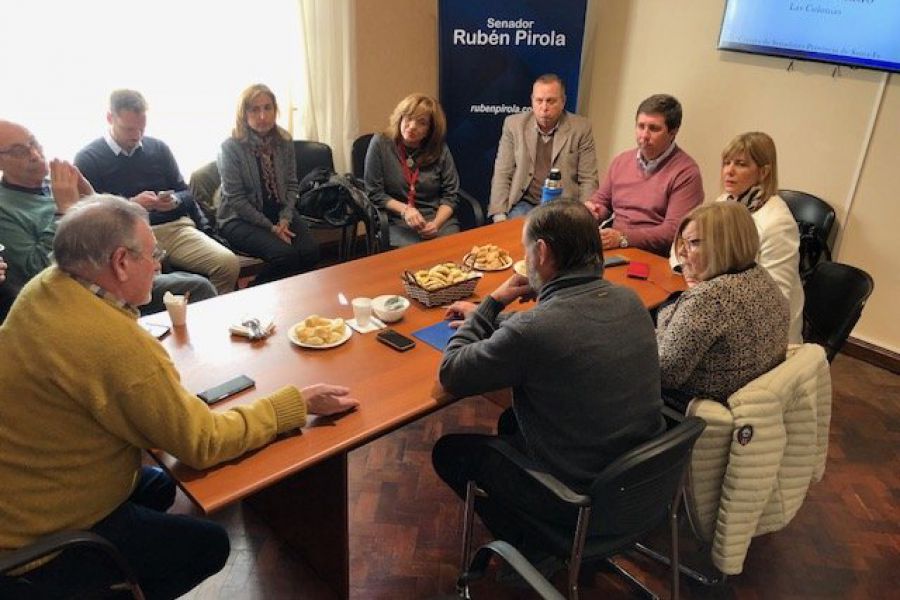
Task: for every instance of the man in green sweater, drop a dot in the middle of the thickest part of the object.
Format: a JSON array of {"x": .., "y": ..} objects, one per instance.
[
  {"x": 86, "y": 389},
  {"x": 31, "y": 205}
]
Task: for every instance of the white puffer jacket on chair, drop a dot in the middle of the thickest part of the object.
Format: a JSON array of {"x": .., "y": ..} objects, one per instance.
[{"x": 752, "y": 466}]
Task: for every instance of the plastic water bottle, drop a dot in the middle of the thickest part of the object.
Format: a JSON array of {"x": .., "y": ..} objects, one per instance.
[{"x": 552, "y": 186}]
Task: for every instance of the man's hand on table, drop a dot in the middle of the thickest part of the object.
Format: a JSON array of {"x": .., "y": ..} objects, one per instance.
[
  {"x": 611, "y": 238},
  {"x": 326, "y": 399},
  {"x": 458, "y": 311},
  {"x": 516, "y": 286}
]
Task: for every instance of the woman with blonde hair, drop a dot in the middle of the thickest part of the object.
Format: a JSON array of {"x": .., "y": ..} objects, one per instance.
[
  {"x": 258, "y": 214},
  {"x": 750, "y": 177},
  {"x": 731, "y": 325},
  {"x": 410, "y": 173}
]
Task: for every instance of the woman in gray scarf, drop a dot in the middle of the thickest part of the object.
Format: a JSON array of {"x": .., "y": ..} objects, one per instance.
[{"x": 258, "y": 214}]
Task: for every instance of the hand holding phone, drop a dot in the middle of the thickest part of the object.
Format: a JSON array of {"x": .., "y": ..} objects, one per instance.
[
  {"x": 166, "y": 200},
  {"x": 398, "y": 342}
]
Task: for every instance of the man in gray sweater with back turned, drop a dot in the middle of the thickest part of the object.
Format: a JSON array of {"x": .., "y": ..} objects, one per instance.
[{"x": 583, "y": 366}]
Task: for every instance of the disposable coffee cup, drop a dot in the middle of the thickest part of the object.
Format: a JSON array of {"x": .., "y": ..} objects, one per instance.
[
  {"x": 362, "y": 310},
  {"x": 177, "y": 308}
]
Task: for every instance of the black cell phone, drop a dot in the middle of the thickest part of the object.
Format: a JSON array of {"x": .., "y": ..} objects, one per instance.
[
  {"x": 156, "y": 330},
  {"x": 614, "y": 260},
  {"x": 226, "y": 390},
  {"x": 398, "y": 342}
]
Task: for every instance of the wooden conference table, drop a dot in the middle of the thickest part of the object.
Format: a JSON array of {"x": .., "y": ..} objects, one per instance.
[{"x": 299, "y": 482}]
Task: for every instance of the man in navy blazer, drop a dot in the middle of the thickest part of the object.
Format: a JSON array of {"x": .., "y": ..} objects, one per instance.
[{"x": 535, "y": 141}]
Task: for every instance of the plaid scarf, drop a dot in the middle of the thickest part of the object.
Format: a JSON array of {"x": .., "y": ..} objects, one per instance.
[{"x": 263, "y": 148}]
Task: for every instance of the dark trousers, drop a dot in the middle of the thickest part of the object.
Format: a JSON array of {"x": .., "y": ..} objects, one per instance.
[
  {"x": 459, "y": 458},
  {"x": 8, "y": 293},
  {"x": 169, "y": 554},
  {"x": 282, "y": 259}
]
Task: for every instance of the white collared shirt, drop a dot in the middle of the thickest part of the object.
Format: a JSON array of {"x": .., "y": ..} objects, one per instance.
[
  {"x": 116, "y": 148},
  {"x": 648, "y": 166}
]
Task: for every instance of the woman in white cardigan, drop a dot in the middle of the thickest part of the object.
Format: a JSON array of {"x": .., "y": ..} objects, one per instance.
[{"x": 750, "y": 177}]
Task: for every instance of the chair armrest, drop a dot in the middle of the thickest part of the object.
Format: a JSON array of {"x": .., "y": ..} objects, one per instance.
[
  {"x": 474, "y": 205},
  {"x": 57, "y": 542},
  {"x": 515, "y": 560},
  {"x": 384, "y": 230},
  {"x": 551, "y": 483}
]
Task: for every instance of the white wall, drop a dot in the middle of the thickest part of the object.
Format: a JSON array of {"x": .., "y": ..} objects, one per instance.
[{"x": 820, "y": 124}]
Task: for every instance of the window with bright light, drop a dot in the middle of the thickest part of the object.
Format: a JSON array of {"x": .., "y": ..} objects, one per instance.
[{"x": 189, "y": 58}]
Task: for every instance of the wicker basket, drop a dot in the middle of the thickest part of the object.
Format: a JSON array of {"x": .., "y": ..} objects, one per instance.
[{"x": 440, "y": 296}]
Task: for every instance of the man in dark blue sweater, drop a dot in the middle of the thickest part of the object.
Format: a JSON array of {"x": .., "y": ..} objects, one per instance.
[{"x": 126, "y": 163}]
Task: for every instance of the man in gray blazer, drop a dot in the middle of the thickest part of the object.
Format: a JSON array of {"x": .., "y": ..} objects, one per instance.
[{"x": 535, "y": 141}]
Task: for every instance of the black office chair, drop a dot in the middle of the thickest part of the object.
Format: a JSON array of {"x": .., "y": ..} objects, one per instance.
[
  {"x": 815, "y": 220},
  {"x": 316, "y": 155},
  {"x": 632, "y": 496},
  {"x": 478, "y": 567},
  {"x": 358, "y": 154},
  {"x": 835, "y": 296},
  {"x": 469, "y": 210},
  {"x": 12, "y": 586},
  {"x": 310, "y": 155}
]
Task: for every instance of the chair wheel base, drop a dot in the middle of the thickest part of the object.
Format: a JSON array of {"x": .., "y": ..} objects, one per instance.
[{"x": 708, "y": 580}]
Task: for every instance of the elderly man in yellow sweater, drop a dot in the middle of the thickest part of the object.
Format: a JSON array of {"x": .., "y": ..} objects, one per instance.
[{"x": 85, "y": 389}]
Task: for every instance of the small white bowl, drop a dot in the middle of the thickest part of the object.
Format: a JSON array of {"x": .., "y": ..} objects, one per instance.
[{"x": 389, "y": 315}]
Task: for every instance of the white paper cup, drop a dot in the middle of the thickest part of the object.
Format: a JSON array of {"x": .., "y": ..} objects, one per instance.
[
  {"x": 177, "y": 313},
  {"x": 362, "y": 310}
]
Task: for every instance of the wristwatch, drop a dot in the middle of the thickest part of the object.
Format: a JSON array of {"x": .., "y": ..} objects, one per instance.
[{"x": 623, "y": 241}]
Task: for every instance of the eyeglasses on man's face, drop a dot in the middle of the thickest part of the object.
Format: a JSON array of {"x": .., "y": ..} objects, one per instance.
[
  {"x": 157, "y": 255},
  {"x": 21, "y": 151}
]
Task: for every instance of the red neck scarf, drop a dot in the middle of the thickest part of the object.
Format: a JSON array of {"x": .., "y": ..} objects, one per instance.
[{"x": 410, "y": 174}]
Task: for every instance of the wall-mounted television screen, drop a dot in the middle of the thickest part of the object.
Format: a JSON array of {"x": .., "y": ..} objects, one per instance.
[{"x": 858, "y": 33}]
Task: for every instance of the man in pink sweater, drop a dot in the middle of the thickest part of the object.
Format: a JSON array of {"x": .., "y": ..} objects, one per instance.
[{"x": 647, "y": 191}]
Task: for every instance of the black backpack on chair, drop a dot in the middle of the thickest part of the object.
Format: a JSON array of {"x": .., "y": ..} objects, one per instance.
[{"x": 340, "y": 201}]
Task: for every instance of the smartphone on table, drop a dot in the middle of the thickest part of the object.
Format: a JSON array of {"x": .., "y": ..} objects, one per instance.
[
  {"x": 398, "y": 342},
  {"x": 156, "y": 330},
  {"x": 226, "y": 390}
]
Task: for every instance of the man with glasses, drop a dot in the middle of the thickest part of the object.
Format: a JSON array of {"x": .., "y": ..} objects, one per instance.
[
  {"x": 31, "y": 205},
  {"x": 86, "y": 390},
  {"x": 127, "y": 163}
]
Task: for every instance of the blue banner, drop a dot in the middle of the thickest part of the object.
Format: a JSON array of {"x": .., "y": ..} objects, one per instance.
[{"x": 491, "y": 51}]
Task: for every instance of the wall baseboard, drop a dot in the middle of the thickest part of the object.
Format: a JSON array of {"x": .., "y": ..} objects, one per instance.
[{"x": 872, "y": 354}]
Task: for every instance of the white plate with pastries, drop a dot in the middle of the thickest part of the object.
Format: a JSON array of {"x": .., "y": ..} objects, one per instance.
[
  {"x": 488, "y": 257},
  {"x": 319, "y": 333}
]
